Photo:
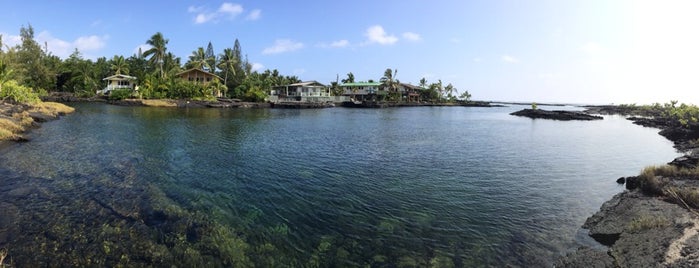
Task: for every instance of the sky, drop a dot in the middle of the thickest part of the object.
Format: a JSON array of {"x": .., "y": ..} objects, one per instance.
[{"x": 570, "y": 51}]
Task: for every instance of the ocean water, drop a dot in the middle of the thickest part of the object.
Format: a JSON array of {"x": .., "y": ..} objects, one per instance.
[{"x": 397, "y": 187}]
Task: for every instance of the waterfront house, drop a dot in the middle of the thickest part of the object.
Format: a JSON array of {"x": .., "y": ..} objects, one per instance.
[
  {"x": 308, "y": 91},
  {"x": 410, "y": 93},
  {"x": 118, "y": 81},
  {"x": 200, "y": 76},
  {"x": 362, "y": 91}
]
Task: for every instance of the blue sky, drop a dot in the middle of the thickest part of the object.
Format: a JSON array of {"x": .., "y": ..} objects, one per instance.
[{"x": 577, "y": 51}]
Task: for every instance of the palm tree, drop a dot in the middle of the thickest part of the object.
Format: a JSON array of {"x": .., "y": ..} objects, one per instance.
[
  {"x": 119, "y": 65},
  {"x": 157, "y": 52},
  {"x": 198, "y": 60},
  {"x": 389, "y": 81},
  {"x": 349, "y": 79},
  {"x": 423, "y": 83},
  {"x": 228, "y": 62}
]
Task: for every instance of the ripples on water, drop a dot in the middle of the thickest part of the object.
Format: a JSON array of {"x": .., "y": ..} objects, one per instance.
[{"x": 411, "y": 186}]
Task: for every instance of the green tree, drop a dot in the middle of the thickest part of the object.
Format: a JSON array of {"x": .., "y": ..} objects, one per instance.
[
  {"x": 210, "y": 58},
  {"x": 465, "y": 96},
  {"x": 5, "y": 74},
  {"x": 32, "y": 71},
  {"x": 227, "y": 64},
  {"x": 349, "y": 79},
  {"x": 390, "y": 83},
  {"x": 451, "y": 92},
  {"x": 198, "y": 60},
  {"x": 119, "y": 65},
  {"x": 157, "y": 52}
]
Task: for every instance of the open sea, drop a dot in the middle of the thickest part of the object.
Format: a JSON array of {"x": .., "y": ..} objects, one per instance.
[{"x": 396, "y": 187}]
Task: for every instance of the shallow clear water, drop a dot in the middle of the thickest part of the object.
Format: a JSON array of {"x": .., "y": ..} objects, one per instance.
[{"x": 403, "y": 186}]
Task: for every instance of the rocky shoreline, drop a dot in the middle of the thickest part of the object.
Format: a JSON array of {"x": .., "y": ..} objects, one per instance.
[
  {"x": 17, "y": 119},
  {"x": 654, "y": 223},
  {"x": 556, "y": 115}
]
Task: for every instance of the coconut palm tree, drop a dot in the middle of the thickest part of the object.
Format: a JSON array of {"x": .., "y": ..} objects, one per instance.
[
  {"x": 198, "y": 60},
  {"x": 227, "y": 62},
  {"x": 389, "y": 81},
  {"x": 119, "y": 65},
  {"x": 157, "y": 52},
  {"x": 349, "y": 79}
]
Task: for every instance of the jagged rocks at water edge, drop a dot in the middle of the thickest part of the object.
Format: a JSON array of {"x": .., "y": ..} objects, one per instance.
[{"x": 556, "y": 115}]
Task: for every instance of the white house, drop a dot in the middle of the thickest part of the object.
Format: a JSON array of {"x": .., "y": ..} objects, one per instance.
[
  {"x": 309, "y": 91},
  {"x": 361, "y": 91},
  {"x": 118, "y": 81}
]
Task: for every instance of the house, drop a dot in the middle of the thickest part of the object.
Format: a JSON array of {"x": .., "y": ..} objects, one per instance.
[
  {"x": 200, "y": 76},
  {"x": 362, "y": 91},
  {"x": 308, "y": 91},
  {"x": 118, "y": 81},
  {"x": 410, "y": 93}
]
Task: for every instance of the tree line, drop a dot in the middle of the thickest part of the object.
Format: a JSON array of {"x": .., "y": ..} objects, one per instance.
[
  {"x": 156, "y": 69},
  {"x": 433, "y": 92},
  {"x": 34, "y": 67}
]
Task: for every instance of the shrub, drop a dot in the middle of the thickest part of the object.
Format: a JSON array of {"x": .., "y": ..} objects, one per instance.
[
  {"x": 645, "y": 222},
  {"x": 18, "y": 93},
  {"x": 534, "y": 106},
  {"x": 120, "y": 94}
]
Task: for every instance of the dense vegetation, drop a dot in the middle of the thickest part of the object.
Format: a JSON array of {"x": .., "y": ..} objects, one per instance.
[
  {"x": 682, "y": 114},
  {"x": 35, "y": 68},
  {"x": 38, "y": 70}
]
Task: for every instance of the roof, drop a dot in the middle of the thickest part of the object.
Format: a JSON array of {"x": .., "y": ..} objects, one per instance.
[
  {"x": 119, "y": 77},
  {"x": 199, "y": 71},
  {"x": 410, "y": 86},
  {"x": 361, "y": 84},
  {"x": 307, "y": 83}
]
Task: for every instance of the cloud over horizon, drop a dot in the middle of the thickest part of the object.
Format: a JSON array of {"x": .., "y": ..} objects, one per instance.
[
  {"x": 282, "y": 46},
  {"x": 376, "y": 34},
  {"x": 227, "y": 10}
]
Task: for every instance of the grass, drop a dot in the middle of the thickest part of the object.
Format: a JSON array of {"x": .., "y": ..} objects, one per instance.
[
  {"x": 12, "y": 125},
  {"x": 52, "y": 108},
  {"x": 645, "y": 222},
  {"x": 159, "y": 103},
  {"x": 655, "y": 180}
]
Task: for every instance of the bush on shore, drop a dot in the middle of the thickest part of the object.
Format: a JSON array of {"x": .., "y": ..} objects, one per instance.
[
  {"x": 655, "y": 180},
  {"x": 14, "y": 92}
]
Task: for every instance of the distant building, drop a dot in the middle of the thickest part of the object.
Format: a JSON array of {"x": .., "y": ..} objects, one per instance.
[
  {"x": 308, "y": 91},
  {"x": 200, "y": 76},
  {"x": 118, "y": 81},
  {"x": 362, "y": 91},
  {"x": 410, "y": 93}
]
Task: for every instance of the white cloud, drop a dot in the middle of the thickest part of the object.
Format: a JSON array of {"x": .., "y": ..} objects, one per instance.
[
  {"x": 255, "y": 14},
  {"x": 230, "y": 9},
  {"x": 143, "y": 48},
  {"x": 63, "y": 49},
  {"x": 256, "y": 66},
  {"x": 299, "y": 71},
  {"x": 376, "y": 34},
  {"x": 592, "y": 48},
  {"x": 509, "y": 59},
  {"x": 90, "y": 43},
  {"x": 335, "y": 44},
  {"x": 283, "y": 45},
  {"x": 226, "y": 10},
  {"x": 340, "y": 43},
  {"x": 10, "y": 40},
  {"x": 410, "y": 36}
]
